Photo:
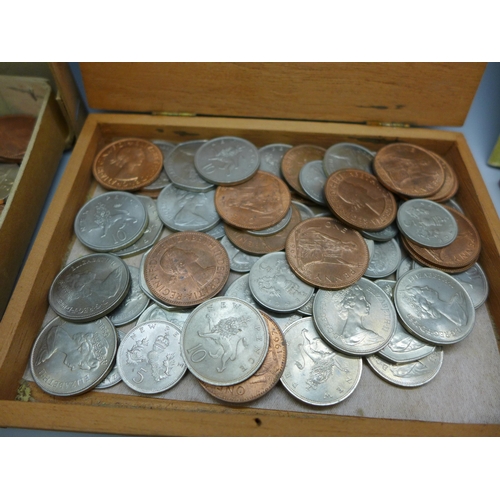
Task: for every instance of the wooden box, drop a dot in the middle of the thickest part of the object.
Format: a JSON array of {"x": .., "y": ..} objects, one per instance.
[{"x": 313, "y": 95}]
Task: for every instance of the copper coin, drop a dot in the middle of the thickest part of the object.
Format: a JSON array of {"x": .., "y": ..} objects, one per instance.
[
  {"x": 450, "y": 185},
  {"x": 327, "y": 254},
  {"x": 128, "y": 164},
  {"x": 358, "y": 199},
  {"x": 260, "y": 245},
  {"x": 256, "y": 204},
  {"x": 294, "y": 159},
  {"x": 408, "y": 170},
  {"x": 15, "y": 135},
  {"x": 184, "y": 269},
  {"x": 264, "y": 379}
]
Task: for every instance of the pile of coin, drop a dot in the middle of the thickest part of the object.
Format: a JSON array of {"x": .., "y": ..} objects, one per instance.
[{"x": 289, "y": 263}]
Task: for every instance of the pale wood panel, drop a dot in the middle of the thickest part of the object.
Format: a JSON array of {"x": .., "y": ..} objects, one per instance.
[{"x": 342, "y": 92}]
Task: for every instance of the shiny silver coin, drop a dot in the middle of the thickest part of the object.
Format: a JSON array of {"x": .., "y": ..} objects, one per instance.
[
  {"x": 427, "y": 223},
  {"x": 224, "y": 341},
  {"x": 239, "y": 289},
  {"x": 307, "y": 309},
  {"x": 284, "y": 320},
  {"x": 385, "y": 260},
  {"x": 305, "y": 211},
  {"x": 312, "y": 179},
  {"x": 152, "y": 233},
  {"x": 227, "y": 160},
  {"x": 453, "y": 204},
  {"x": 70, "y": 358},
  {"x": 371, "y": 247},
  {"x": 89, "y": 287},
  {"x": 8, "y": 174},
  {"x": 111, "y": 221},
  {"x": 161, "y": 182},
  {"x": 149, "y": 358},
  {"x": 314, "y": 372},
  {"x": 275, "y": 286},
  {"x": 276, "y": 228},
  {"x": 411, "y": 374},
  {"x": 434, "y": 306},
  {"x": 157, "y": 313},
  {"x": 357, "y": 320},
  {"x": 182, "y": 210},
  {"x": 113, "y": 377},
  {"x": 270, "y": 158},
  {"x": 166, "y": 148},
  {"x": 405, "y": 266},
  {"x": 475, "y": 283},
  {"x": 387, "y": 286},
  {"x": 181, "y": 170},
  {"x": 347, "y": 155},
  {"x": 386, "y": 234},
  {"x": 217, "y": 232},
  {"x": 239, "y": 261},
  {"x": 134, "y": 303}
]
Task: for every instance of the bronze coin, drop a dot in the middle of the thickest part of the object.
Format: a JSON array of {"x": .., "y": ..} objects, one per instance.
[
  {"x": 256, "y": 204},
  {"x": 184, "y": 269},
  {"x": 409, "y": 170},
  {"x": 15, "y": 135},
  {"x": 264, "y": 379},
  {"x": 128, "y": 164},
  {"x": 327, "y": 254},
  {"x": 358, "y": 199},
  {"x": 450, "y": 184},
  {"x": 294, "y": 159},
  {"x": 260, "y": 245}
]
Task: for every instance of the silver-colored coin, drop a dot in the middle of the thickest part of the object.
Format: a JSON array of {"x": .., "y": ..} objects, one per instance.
[
  {"x": 453, "y": 204},
  {"x": 239, "y": 261},
  {"x": 314, "y": 372},
  {"x": 385, "y": 260},
  {"x": 312, "y": 179},
  {"x": 391, "y": 231},
  {"x": 274, "y": 285},
  {"x": 227, "y": 160},
  {"x": 182, "y": 210},
  {"x": 284, "y": 320},
  {"x": 404, "y": 267},
  {"x": 70, "y": 358},
  {"x": 347, "y": 155},
  {"x": 224, "y": 341},
  {"x": 434, "y": 306},
  {"x": 271, "y": 156},
  {"x": 427, "y": 223},
  {"x": 475, "y": 283},
  {"x": 357, "y": 320},
  {"x": 217, "y": 232},
  {"x": 416, "y": 265},
  {"x": 134, "y": 303},
  {"x": 111, "y": 221},
  {"x": 276, "y": 228},
  {"x": 157, "y": 313},
  {"x": 387, "y": 286},
  {"x": 305, "y": 211},
  {"x": 113, "y": 377},
  {"x": 166, "y": 148},
  {"x": 149, "y": 358},
  {"x": 411, "y": 374},
  {"x": 181, "y": 170},
  {"x": 161, "y": 182},
  {"x": 89, "y": 287},
  {"x": 152, "y": 233},
  {"x": 8, "y": 174},
  {"x": 307, "y": 309},
  {"x": 371, "y": 246},
  {"x": 239, "y": 289}
]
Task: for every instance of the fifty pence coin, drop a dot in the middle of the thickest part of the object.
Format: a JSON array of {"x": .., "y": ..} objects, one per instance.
[
  {"x": 224, "y": 341},
  {"x": 347, "y": 155},
  {"x": 149, "y": 358},
  {"x": 314, "y": 372},
  {"x": 270, "y": 158}
]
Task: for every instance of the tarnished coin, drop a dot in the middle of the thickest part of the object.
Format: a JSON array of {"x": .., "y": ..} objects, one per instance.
[
  {"x": 181, "y": 170},
  {"x": 227, "y": 160},
  {"x": 89, "y": 287},
  {"x": 15, "y": 135},
  {"x": 277, "y": 227},
  {"x": 326, "y": 254},
  {"x": 264, "y": 379},
  {"x": 358, "y": 199},
  {"x": 240, "y": 289},
  {"x": 475, "y": 283},
  {"x": 239, "y": 261},
  {"x": 157, "y": 313},
  {"x": 134, "y": 303},
  {"x": 347, "y": 155},
  {"x": 69, "y": 358},
  {"x": 275, "y": 286},
  {"x": 427, "y": 223},
  {"x": 270, "y": 158},
  {"x": 111, "y": 221},
  {"x": 385, "y": 259},
  {"x": 149, "y": 358},
  {"x": 184, "y": 269},
  {"x": 434, "y": 306},
  {"x": 357, "y": 320},
  {"x": 8, "y": 174},
  {"x": 113, "y": 377},
  {"x": 312, "y": 180},
  {"x": 182, "y": 210},
  {"x": 256, "y": 204},
  {"x": 294, "y": 159},
  {"x": 409, "y": 170},
  {"x": 411, "y": 374},
  {"x": 128, "y": 164},
  {"x": 314, "y": 372},
  {"x": 224, "y": 341}
]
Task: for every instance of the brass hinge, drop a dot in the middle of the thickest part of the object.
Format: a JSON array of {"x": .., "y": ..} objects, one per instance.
[
  {"x": 172, "y": 113},
  {"x": 494, "y": 159},
  {"x": 388, "y": 124}
]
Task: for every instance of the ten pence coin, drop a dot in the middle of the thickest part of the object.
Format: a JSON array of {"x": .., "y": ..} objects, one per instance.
[
  {"x": 128, "y": 164},
  {"x": 186, "y": 268}
]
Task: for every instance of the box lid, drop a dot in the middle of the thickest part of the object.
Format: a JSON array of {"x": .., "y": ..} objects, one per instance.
[{"x": 419, "y": 94}]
